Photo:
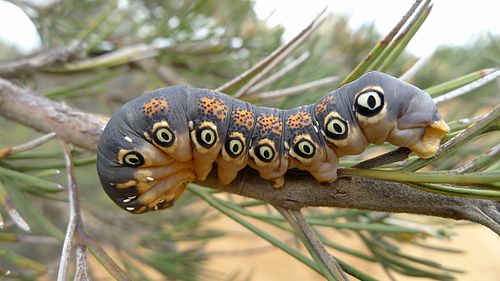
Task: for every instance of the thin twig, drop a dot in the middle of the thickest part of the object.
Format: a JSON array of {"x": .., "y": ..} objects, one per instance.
[
  {"x": 296, "y": 42},
  {"x": 467, "y": 88},
  {"x": 397, "y": 46},
  {"x": 262, "y": 63},
  {"x": 301, "y": 227},
  {"x": 67, "y": 248},
  {"x": 280, "y": 73},
  {"x": 480, "y": 162},
  {"x": 416, "y": 67},
  {"x": 7, "y": 205},
  {"x": 104, "y": 258},
  {"x": 285, "y": 92},
  {"x": 22, "y": 66},
  {"x": 166, "y": 74},
  {"x": 396, "y": 155},
  {"x": 423, "y": 177},
  {"x": 125, "y": 55},
  {"x": 82, "y": 267},
  {"x": 381, "y": 45},
  {"x": 9, "y": 151},
  {"x": 318, "y": 246}
]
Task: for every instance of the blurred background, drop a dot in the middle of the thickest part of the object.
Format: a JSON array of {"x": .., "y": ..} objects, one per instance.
[{"x": 134, "y": 46}]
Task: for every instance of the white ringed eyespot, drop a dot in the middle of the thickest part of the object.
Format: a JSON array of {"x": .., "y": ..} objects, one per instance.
[
  {"x": 206, "y": 137},
  {"x": 234, "y": 146},
  {"x": 336, "y": 128},
  {"x": 265, "y": 152},
  {"x": 305, "y": 148},
  {"x": 164, "y": 136},
  {"x": 369, "y": 102},
  {"x": 133, "y": 159}
]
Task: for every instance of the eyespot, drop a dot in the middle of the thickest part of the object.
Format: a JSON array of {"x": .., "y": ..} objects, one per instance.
[
  {"x": 234, "y": 146},
  {"x": 336, "y": 128},
  {"x": 133, "y": 159},
  {"x": 368, "y": 103},
  {"x": 264, "y": 152},
  {"x": 206, "y": 137},
  {"x": 164, "y": 137},
  {"x": 305, "y": 148}
]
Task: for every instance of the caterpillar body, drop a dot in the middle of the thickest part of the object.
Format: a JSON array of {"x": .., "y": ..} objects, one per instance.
[{"x": 156, "y": 144}]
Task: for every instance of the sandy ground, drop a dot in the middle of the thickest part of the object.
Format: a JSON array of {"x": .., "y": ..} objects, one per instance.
[
  {"x": 243, "y": 256},
  {"x": 254, "y": 259}
]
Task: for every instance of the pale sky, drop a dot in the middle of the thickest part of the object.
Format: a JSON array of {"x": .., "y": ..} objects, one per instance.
[{"x": 450, "y": 22}]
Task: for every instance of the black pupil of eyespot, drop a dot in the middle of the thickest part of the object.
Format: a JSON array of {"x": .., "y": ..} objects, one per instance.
[
  {"x": 307, "y": 149},
  {"x": 371, "y": 101},
  {"x": 266, "y": 153},
  {"x": 208, "y": 137},
  {"x": 165, "y": 135},
  {"x": 337, "y": 128},
  {"x": 235, "y": 147}
]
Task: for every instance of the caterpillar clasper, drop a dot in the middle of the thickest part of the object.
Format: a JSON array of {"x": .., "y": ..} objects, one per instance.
[{"x": 157, "y": 143}]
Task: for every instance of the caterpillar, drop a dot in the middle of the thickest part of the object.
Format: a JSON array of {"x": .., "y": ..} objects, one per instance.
[{"x": 157, "y": 143}]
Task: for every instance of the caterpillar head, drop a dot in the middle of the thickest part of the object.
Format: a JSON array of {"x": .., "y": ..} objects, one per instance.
[
  {"x": 378, "y": 108},
  {"x": 144, "y": 153},
  {"x": 389, "y": 109}
]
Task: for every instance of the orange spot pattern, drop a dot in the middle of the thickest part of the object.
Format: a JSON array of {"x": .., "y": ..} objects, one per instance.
[
  {"x": 243, "y": 118},
  {"x": 323, "y": 105},
  {"x": 213, "y": 107},
  {"x": 299, "y": 120},
  {"x": 155, "y": 105},
  {"x": 269, "y": 123}
]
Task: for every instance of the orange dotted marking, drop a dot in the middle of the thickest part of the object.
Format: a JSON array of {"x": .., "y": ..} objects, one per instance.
[
  {"x": 243, "y": 118},
  {"x": 323, "y": 105},
  {"x": 213, "y": 107},
  {"x": 299, "y": 120},
  {"x": 270, "y": 122},
  {"x": 154, "y": 106}
]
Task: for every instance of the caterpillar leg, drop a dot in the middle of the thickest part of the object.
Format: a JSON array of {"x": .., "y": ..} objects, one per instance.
[
  {"x": 202, "y": 165},
  {"x": 227, "y": 168},
  {"x": 326, "y": 171},
  {"x": 154, "y": 187},
  {"x": 323, "y": 166},
  {"x": 271, "y": 165},
  {"x": 160, "y": 195},
  {"x": 274, "y": 173}
]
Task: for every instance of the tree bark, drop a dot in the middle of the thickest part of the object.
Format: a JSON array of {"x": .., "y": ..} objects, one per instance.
[{"x": 300, "y": 190}]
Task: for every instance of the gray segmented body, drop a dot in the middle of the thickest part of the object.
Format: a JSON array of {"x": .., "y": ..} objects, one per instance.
[{"x": 155, "y": 144}]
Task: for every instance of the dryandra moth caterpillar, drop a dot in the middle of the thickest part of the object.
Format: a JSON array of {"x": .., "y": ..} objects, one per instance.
[{"x": 157, "y": 143}]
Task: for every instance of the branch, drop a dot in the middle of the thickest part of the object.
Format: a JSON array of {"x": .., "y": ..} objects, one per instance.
[
  {"x": 300, "y": 190},
  {"x": 30, "y": 64},
  {"x": 76, "y": 127}
]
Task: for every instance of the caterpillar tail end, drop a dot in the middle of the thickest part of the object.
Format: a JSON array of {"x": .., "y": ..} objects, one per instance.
[{"x": 429, "y": 145}]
